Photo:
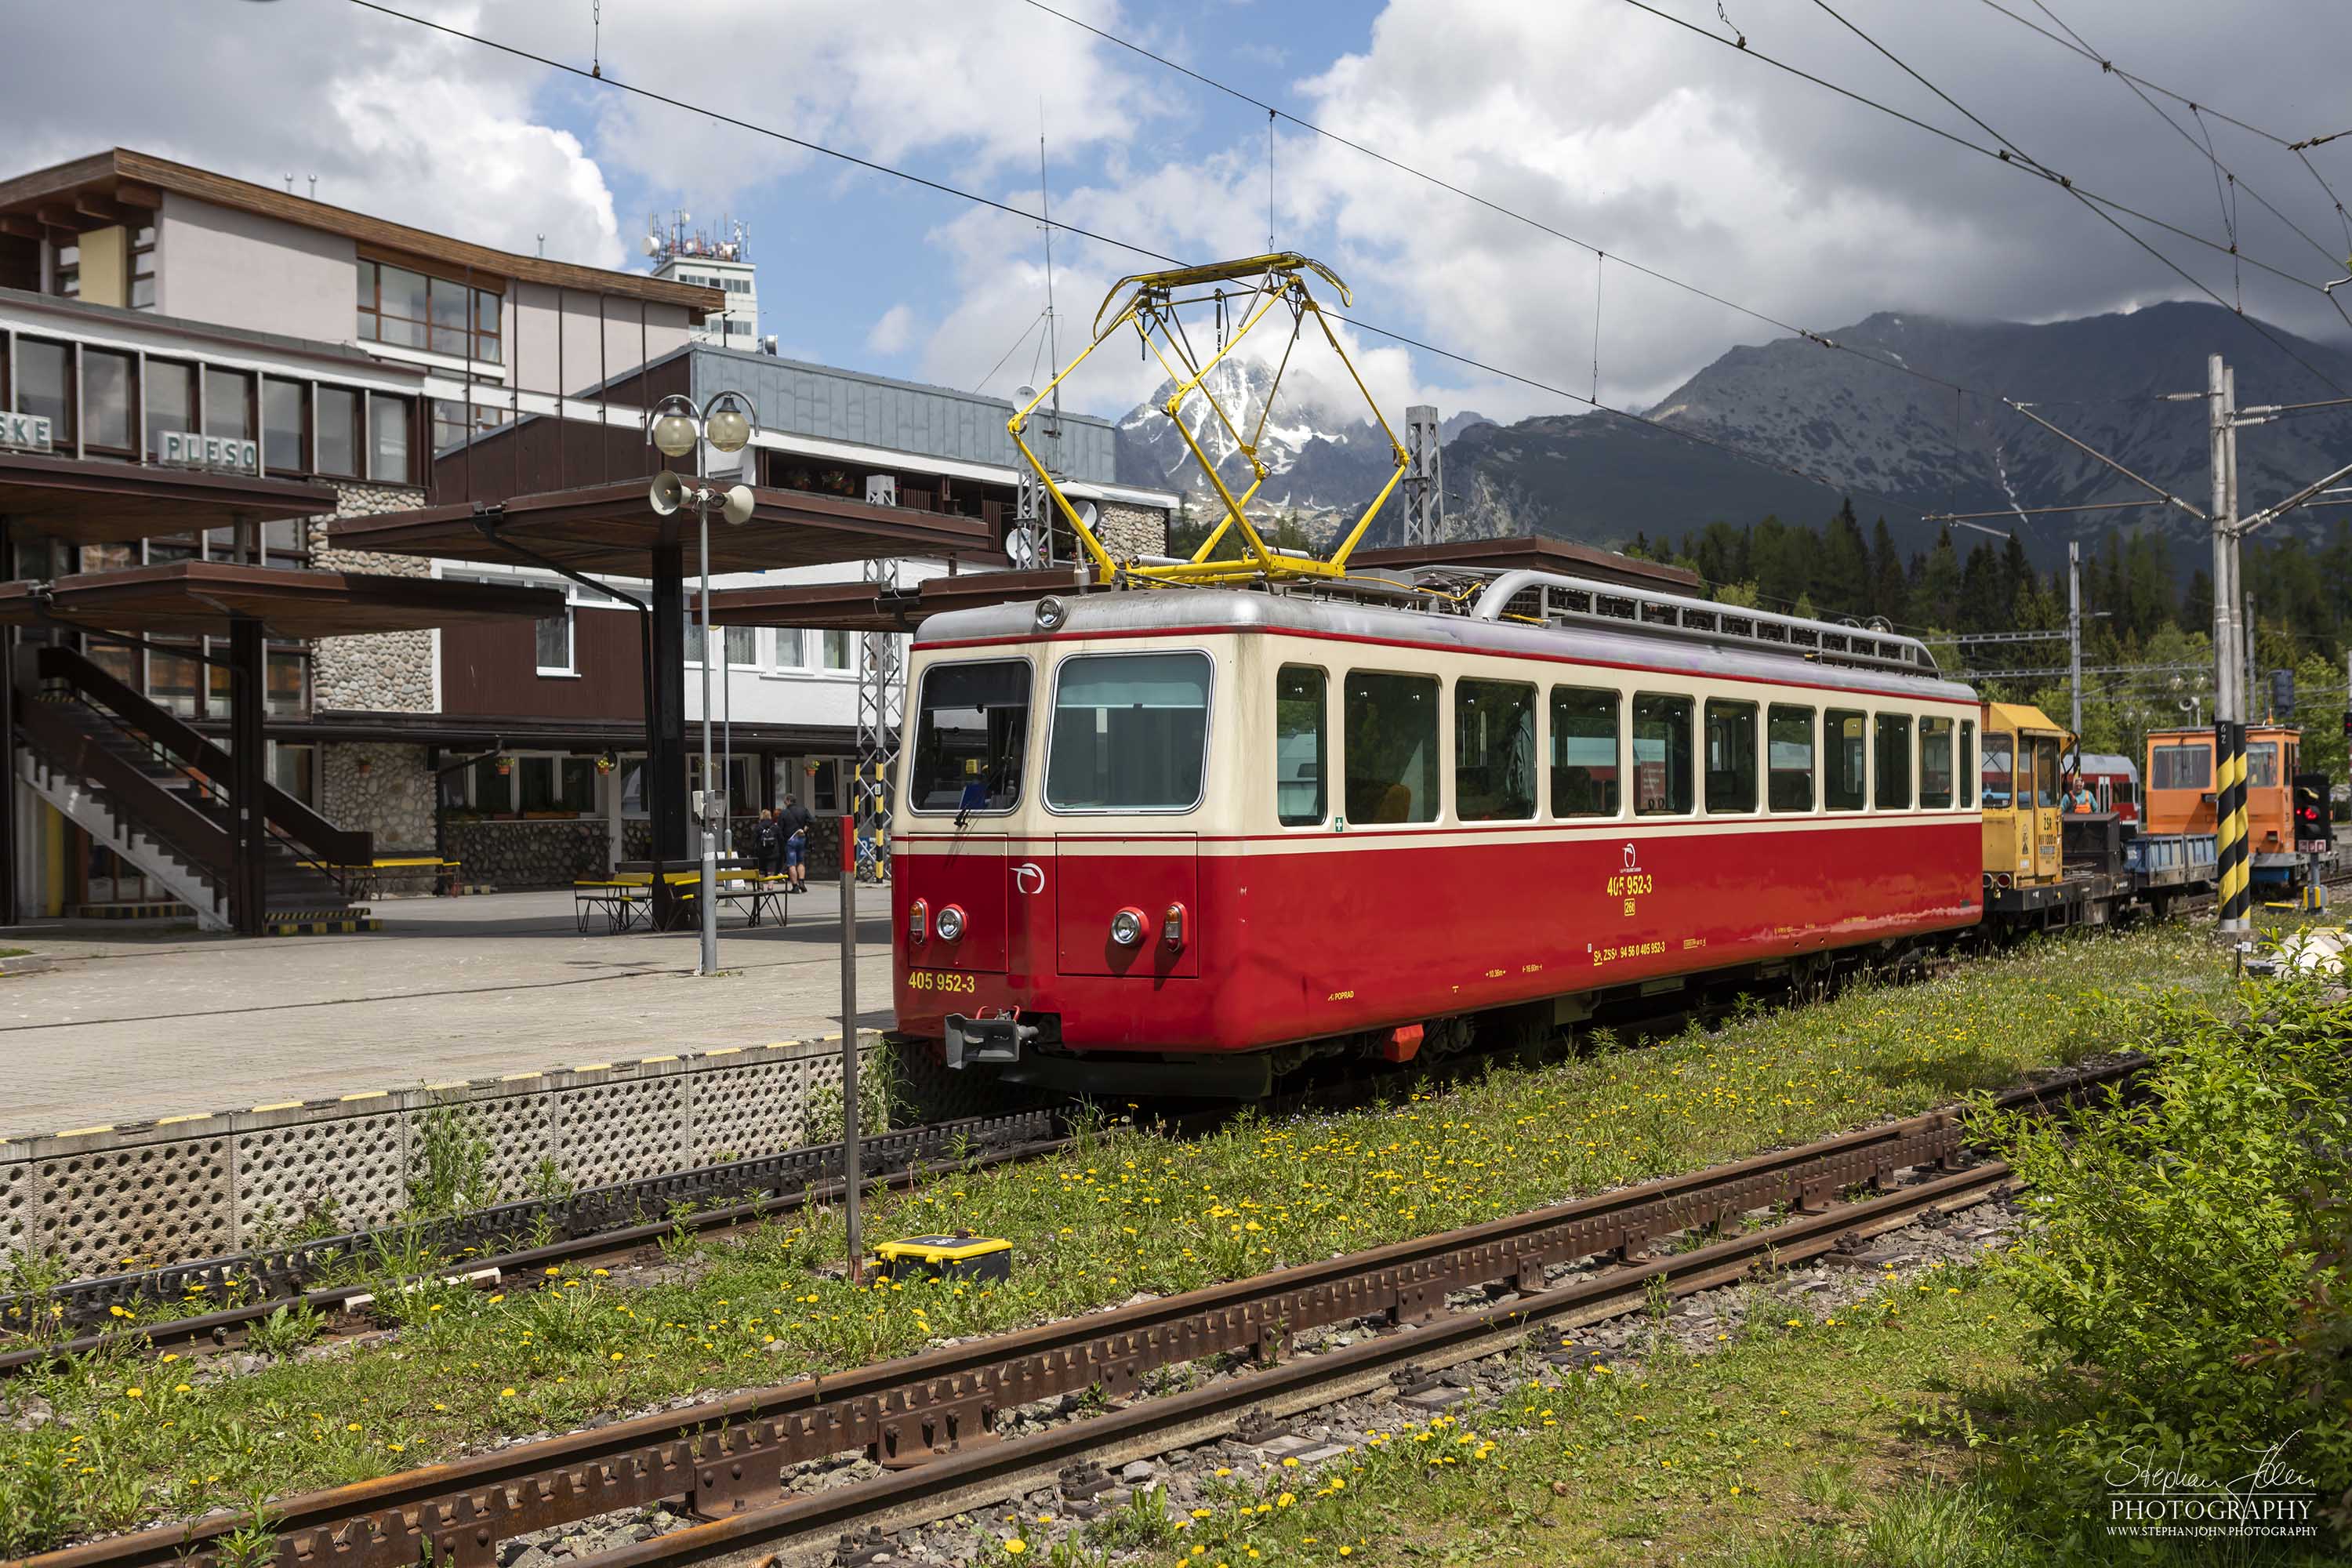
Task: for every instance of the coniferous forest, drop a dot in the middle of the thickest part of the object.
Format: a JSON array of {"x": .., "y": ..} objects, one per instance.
[{"x": 2146, "y": 632}]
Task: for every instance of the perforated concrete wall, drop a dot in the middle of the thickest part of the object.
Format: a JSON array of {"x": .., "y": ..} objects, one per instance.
[{"x": 133, "y": 1196}]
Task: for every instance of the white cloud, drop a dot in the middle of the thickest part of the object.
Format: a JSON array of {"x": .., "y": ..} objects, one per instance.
[{"x": 893, "y": 332}]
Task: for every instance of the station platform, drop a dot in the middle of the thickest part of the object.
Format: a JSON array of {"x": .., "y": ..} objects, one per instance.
[{"x": 131, "y": 1025}]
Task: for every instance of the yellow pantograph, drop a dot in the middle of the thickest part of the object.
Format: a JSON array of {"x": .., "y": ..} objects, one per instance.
[{"x": 1152, "y": 301}]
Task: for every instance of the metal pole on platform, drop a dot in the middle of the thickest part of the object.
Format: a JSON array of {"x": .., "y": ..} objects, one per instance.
[
  {"x": 850, "y": 1170},
  {"x": 709, "y": 839}
]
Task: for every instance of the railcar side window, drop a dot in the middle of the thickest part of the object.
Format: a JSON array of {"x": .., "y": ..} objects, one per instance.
[
  {"x": 1934, "y": 762},
  {"x": 1731, "y": 756},
  {"x": 2045, "y": 771},
  {"x": 1584, "y": 753},
  {"x": 1893, "y": 762},
  {"x": 1494, "y": 751},
  {"x": 1662, "y": 755},
  {"x": 2000, "y": 774},
  {"x": 1844, "y": 737},
  {"x": 1299, "y": 745},
  {"x": 1967, "y": 771},
  {"x": 1789, "y": 747},
  {"x": 971, "y": 726},
  {"x": 1130, "y": 731},
  {"x": 2181, "y": 767},
  {"x": 2262, "y": 764},
  {"x": 1391, "y": 747}
]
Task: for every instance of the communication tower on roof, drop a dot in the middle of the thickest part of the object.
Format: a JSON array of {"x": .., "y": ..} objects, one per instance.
[{"x": 682, "y": 255}]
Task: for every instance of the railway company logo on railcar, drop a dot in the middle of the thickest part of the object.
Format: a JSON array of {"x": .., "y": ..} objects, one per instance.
[
  {"x": 1632, "y": 882},
  {"x": 1029, "y": 876}
]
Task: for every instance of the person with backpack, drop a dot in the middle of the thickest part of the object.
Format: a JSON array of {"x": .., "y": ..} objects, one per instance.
[{"x": 768, "y": 843}]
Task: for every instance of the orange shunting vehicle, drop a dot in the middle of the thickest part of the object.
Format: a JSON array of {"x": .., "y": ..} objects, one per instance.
[{"x": 2180, "y": 796}]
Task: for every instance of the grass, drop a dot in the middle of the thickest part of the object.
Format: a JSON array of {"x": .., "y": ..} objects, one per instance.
[
  {"x": 1126, "y": 1211},
  {"x": 1847, "y": 1439}
]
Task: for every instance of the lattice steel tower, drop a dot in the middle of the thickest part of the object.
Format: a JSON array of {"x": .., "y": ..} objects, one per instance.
[
  {"x": 1425, "y": 477},
  {"x": 881, "y": 711}
]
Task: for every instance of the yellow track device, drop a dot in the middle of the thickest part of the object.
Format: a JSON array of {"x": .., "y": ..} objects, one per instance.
[
  {"x": 960, "y": 1257},
  {"x": 1152, "y": 302}
]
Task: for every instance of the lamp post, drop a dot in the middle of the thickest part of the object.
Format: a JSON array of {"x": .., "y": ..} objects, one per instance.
[{"x": 677, "y": 425}]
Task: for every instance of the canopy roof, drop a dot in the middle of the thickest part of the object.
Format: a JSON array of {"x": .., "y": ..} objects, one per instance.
[
  {"x": 859, "y": 607},
  {"x": 613, "y": 528},
  {"x": 91, "y": 501},
  {"x": 199, "y": 597}
]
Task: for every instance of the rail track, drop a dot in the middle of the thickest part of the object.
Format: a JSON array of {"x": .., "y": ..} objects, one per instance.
[{"x": 930, "y": 1418}]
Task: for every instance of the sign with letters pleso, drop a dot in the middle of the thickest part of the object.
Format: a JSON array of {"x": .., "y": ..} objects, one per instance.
[
  {"x": 223, "y": 454},
  {"x": 25, "y": 432}
]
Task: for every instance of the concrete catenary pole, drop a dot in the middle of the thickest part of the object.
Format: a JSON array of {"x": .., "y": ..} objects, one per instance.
[{"x": 2230, "y": 686}]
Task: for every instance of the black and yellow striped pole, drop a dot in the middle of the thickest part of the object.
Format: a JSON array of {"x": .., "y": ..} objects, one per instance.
[{"x": 2232, "y": 875}]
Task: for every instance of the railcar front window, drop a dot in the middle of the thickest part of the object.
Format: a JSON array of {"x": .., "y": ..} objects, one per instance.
[
  {"x": 2000, "y": 774},
  {"x": 1789, "y": 756},
  {"x": 1662, "y": 755},
  {"x": 972, "y": 727},
  {"x": 2180, "y": 767},
  {"x": 1584, "y": 753},
  {"x": 1494, "y": 751},
  {"x": 1731, "y": 756},
  {"x": 1131, "y": 731},
  {"x": 2262, "y": 764},
  {"x": 1391, "y": 747},
  {"x": 1934, "y": 762},
  {"x": 1299, "y": 745},
  {"x": 1846, "y": 737}
]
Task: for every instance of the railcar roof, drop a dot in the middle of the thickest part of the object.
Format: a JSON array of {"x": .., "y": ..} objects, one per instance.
[{"x": 1228, "y": 610}]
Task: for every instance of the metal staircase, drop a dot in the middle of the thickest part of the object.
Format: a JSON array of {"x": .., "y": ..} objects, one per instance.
[{"x": 143, "y": 783}]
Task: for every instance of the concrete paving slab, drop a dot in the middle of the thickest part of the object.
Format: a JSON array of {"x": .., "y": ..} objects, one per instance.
[{"x": 130, "y": 1026}]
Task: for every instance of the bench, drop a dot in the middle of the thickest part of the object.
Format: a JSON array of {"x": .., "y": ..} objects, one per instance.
[{"x": 628, "y": 897}]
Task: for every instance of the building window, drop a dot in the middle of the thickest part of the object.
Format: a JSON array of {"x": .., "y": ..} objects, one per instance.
[
  {"x": 282, "y": 426},
  {"x": 837, "y": 651},
  {"x": 228, "y": 404},
  {"x": 288, "y": 685},
  {"x": 408, "y": 309},
  {"x": 557, "y": 785},
  {"x": 169, "y": 392},
  {"x": 742, "y": 645},
  {"x": 339, "y": 422},
  {"x": 142, "y": 268},
  {"x": 106, "y": 401},
  {"x": 449, "y": 423},
  {"x": 65, "y": 277},
  {"x": 295, "y": 770},
  {"x": 45, "y": 386},
  {"x": 388, "y": 443},
  {"x": 555, "y": 644},
  {"x": 791, "y": 651}
]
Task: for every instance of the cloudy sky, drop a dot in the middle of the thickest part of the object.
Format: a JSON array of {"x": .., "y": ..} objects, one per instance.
[{"x": 1641, "y": 137}]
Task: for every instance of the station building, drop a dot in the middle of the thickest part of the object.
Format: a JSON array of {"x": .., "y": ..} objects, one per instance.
[{"x": 272, "y": 369}]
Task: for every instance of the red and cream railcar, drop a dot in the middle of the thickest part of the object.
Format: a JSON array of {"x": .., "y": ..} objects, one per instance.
[{"x": 1171, "y": 840}]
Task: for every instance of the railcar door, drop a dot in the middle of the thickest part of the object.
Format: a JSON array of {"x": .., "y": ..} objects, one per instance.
[
  {"x": 1126, "y": 765},
  {"x": 2041, "y": 820},
  {"x": 1997, "y": 793}
]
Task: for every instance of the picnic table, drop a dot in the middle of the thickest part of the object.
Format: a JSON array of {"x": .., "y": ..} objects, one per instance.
[
  {"x": 366, "y": 880},
  {"x": 640, "y": 889}
]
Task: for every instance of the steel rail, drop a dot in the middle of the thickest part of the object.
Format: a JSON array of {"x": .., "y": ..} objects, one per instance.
[
  {"x": 805, "y": 1527},
  {"x": 727, "y": 1455}
]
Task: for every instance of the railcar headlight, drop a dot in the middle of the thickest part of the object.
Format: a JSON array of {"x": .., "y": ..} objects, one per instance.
[
  {"x": 918, "y": 921},
  {"x": 1127, "y": 927},
  {"x": 950, "y": 922}
]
